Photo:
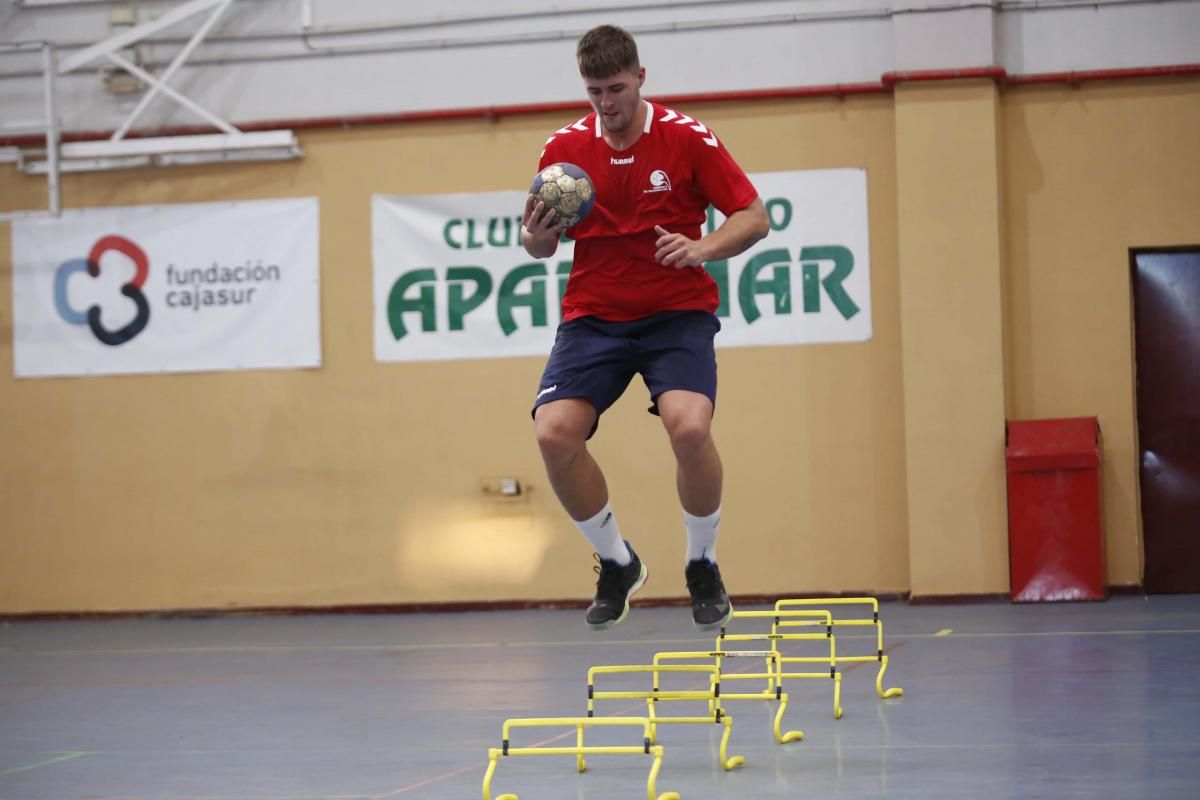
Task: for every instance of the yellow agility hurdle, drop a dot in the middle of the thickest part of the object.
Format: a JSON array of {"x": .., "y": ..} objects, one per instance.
[
  {"x": 874, "y": 620},
  {"x": 717, "y": 655},
  {"x": 579, "y": 751},
  {"x": 712, "y": 696},
  {"x": 810, "y": 617},
  {"x": 776, "y": 676},
  {"x": 774, "y": 662}
]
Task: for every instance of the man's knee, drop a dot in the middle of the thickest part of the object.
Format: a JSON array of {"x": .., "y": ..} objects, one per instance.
[
  {"x": 689, "y": 433},
  {"x": 562, "y": 429},
  {"x": 687, "y": 416}
]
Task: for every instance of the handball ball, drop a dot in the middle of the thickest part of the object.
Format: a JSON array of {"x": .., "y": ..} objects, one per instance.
[{"x": 567, "y": 189}]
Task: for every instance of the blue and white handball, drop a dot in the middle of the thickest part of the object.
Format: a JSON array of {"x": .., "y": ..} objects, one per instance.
[{"x": 567, "y": 189}]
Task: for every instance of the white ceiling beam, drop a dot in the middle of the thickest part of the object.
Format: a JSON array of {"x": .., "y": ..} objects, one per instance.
[
  {"x": 164, "y": 151},
  {"x": 135, "y": 34},
  {"x": 52, "y": 3},
  {"x": 160, "y": 83},
  {"x": 193, "y": 106},
  {"x": 209, "y": 142}
]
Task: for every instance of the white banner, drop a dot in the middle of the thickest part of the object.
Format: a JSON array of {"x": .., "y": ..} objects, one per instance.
[
  {"x": 452, "y": 280},
  {"x": 172, "y": 288}
]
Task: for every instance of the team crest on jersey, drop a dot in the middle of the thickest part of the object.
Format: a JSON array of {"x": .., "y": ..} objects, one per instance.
[{"x": 659, "y": 182}]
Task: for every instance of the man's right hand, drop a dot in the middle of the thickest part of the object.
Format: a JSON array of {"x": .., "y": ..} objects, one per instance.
[{"x": 540, "y": 230}]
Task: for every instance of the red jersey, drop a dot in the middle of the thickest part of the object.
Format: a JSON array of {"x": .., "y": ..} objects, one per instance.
[{"x": 669, "y": 177}]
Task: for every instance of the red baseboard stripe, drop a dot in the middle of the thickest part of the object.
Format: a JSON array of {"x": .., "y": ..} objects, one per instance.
[
  {"x": 408, "y": 608},
  {"x": 957, "y": 599},
  {"x": 501, "y": 605}
]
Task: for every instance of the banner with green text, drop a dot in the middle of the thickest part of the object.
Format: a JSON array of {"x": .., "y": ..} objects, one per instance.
[{"x": 452, "y": 280}]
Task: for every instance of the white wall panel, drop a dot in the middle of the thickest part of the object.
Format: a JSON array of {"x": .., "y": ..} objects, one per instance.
[
  {"x": 946, "y": 40},
  {"x": 257, "y": 65},
  {"x": 1104, "y": 37}
]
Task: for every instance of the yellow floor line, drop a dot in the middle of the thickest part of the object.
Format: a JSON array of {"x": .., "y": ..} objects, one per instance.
[
  {"x": 284, "y": 648},
  {"x": 1022, "y": 634},
  {"x": 47, "y": 762}
]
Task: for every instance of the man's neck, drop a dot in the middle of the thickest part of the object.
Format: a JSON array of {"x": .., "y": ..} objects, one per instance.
[{"x": 628, "y": 137}]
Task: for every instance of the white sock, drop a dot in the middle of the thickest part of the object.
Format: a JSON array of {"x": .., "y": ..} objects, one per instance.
[
  {"x": 602, "y": 531},
  {"x": 702, "y": 536}
]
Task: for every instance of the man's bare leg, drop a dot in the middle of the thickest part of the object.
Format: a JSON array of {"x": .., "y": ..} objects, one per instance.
[
  {"x": 687, "y": 416},
  {"x": 562, "y": 428}
]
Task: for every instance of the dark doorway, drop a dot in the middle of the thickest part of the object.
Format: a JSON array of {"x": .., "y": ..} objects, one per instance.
[{"x": 1166, "y": 292}]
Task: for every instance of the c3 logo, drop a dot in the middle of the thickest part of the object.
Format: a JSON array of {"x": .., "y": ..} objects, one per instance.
[{"x": 132, "y": 290}]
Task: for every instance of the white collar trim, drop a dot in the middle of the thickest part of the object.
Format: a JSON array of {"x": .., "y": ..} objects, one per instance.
[{"x": 645, "y": 128}]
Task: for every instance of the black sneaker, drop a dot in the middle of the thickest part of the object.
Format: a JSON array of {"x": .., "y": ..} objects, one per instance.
[
  {"x": 614, "y": 588},
  {"x": 710, "y": 605}
]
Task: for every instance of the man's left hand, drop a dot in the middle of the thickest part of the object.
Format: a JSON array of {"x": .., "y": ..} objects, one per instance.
[{"x": 677, "y": 250}]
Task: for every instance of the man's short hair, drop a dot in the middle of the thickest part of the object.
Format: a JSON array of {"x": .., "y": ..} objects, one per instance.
[{"x": 606, "y": 50}]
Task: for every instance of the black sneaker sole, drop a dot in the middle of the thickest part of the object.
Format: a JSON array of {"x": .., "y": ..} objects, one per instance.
[
  {"x": 641, "y": 581},
  {"x": 712, "y": 626}
]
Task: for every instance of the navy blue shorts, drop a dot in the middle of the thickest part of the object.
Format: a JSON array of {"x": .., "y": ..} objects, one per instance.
[{"x": 595, "y": 359}]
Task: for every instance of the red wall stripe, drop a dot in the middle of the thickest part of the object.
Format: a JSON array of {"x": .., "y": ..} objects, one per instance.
[{"x": 886, "y": 85}]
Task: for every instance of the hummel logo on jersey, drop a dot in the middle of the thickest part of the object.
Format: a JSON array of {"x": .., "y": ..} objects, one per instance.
[
  {"x": 547, "y": 390},
  {"x": 617, "y": 162},
  {"x": 659, "y": 182}
]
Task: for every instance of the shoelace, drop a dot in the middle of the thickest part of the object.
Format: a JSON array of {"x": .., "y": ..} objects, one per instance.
[
  {"x": 703, "y": 580},
  {"x": 608, "y": 584}
]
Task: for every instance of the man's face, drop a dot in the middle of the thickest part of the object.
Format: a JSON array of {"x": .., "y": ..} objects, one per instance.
[{"x": 616, "y": 98}]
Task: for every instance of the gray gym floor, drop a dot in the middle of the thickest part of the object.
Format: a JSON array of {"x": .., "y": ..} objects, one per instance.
[{"x": 1098, "y": 700}]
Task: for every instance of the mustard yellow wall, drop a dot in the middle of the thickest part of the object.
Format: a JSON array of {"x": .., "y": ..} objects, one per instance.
[
  {"x": 360, "y": 482},
  {"x": 1092, "y": 172},
  {"x": 951, "y": 329}
]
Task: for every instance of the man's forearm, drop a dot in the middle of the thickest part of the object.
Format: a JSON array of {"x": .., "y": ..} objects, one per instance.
[{"x": 738, "y": 233}]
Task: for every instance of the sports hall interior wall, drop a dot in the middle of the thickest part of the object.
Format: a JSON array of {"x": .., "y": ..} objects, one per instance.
[
  {"x": 360, "y": 482},
  {"x": 1091, "y": 172}
]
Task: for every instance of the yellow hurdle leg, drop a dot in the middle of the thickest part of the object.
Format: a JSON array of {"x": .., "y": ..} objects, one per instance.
[
  {"x": 895, "y": 691},
  {"x": 657, "y": 752},
  {"x": 493, "y": 754},
  {"x": 580, "y": 764},
  {"x": 736, "y": 761},
  {"x": 837, "y": 695},
  {"x": 790, "y": 736}
]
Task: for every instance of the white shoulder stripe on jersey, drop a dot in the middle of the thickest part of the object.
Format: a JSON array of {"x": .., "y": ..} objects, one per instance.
[
  {"x": 577, "y": 125},
  {"x": 684, "y": 119}
]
